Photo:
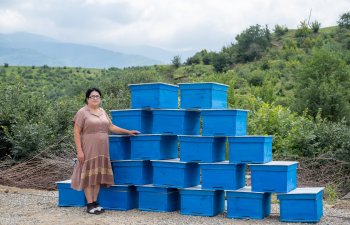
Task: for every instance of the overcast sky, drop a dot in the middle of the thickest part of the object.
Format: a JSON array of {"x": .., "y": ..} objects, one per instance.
[{"x": 169, "y": 24}]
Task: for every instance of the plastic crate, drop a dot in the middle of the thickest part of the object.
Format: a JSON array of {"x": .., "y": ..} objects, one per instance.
[
  {"x": 301, "y": 205},
  {"x": 68, "y": 196},
  {"x": 153, "y": 146},
  {"x": 223, "y": 175},
  {"x": 176, "y": 121},
  {"x": 275, "y": 176},
  {"x": 200, "y": 202},
  {"x": 132, "y": 172},
  {"x": 203, "y": 95},
  {"x": 133, "y": 119},
  {"x": 158, "y": 199},
  {"x": 119, "y": 147},
  {"x": 173, "y": 173},
  {"x": 154, "y": 95},
  {"x": 118, "y": 197},
  {"x": 202, "y": 148},
  {"x": 250, "y": 149},
  {"x": 246, "y": 204},
  {"x": 224, "y": 122}
]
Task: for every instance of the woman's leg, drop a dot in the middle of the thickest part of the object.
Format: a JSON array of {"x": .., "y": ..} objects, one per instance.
[
  {"x": 96, "y": 190},
  {"x": 89, "y": 194}
]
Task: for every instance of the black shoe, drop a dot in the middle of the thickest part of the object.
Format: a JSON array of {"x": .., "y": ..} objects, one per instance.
[
  {"x": 98, "y": 207},
  {"x": 91, "y": 209}
]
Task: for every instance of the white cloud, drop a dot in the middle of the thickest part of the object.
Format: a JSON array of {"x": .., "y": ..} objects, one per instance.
[{"x": 169, "y": 24}]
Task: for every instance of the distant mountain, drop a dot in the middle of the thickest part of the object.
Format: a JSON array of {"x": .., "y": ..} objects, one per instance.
[{"x": 26, "y": 49}]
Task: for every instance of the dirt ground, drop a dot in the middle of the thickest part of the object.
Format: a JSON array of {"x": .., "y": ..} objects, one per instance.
[{"x": 28, "y": 206}]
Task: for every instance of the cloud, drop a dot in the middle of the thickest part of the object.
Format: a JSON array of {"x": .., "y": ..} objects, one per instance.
[{"x": 169, "y": 24}]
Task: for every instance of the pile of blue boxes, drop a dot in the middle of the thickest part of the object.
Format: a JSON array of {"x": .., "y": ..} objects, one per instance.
[{"x": 178, "y": 162}]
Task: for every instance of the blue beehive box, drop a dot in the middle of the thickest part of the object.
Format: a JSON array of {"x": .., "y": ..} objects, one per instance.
[
  {"x": 133, "y": 119},
  {"x": 154, "y": 146},
  {"x": 223, "y": 175},
  {"x": 202, "y": 148},
  {"x": 274, "y": 176},
  {"x": 118, "y": 197},
  {"x": 301, "y": 205},
  {"x": 154, "y": 95},
  {"x": 203, "y": 95},
  {"x": 173, "y": 173},
  {"x": 158, "y": 199},
  {"x": 68, "y": 196},
  {"x": 132, "y": 172},
  {"x": 200, "y": 202},
  {"x": 176, "y": 121},
  {"x": 244, "y": 203},
  {"x": 250, "y": 149},
  {"x": 119, "y": 147},
  {"x": 224, "y": 122}
]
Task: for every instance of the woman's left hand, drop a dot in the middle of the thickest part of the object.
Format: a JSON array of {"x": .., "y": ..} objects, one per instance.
[{"x": 133, "y": 132}]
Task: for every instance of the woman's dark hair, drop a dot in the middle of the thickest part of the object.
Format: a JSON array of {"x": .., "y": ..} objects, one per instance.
[{"x": 88, "y": 93}]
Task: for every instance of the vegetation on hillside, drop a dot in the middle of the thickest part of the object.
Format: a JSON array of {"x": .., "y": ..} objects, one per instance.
[{"x": 294, "y": 82}]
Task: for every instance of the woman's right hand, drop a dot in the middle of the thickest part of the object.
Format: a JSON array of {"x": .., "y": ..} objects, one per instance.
[{"x": 80, "y": 157}]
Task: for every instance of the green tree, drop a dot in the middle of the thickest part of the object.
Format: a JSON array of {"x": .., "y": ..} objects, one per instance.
[
  {"x": 344, "y": 20},
  {"x": 252, "y": 43},
  {"x": 176, "y": 61},
  {"x": 323, "y": 83}
]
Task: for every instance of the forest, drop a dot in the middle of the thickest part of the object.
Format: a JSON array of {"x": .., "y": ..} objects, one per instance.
[{"x": 295, "y": 82}]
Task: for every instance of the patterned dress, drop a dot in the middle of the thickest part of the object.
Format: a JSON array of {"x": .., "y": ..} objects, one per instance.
[{"x": 96, "y": 168}]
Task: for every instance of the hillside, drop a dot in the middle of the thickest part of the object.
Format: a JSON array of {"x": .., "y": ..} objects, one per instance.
[{"x": 25, "y": 49}]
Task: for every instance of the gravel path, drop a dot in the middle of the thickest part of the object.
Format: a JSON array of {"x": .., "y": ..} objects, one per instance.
[{"x": 27, "y": 206}]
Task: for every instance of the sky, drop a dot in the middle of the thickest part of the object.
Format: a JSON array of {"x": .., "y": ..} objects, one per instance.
[{"x": 168, "y": 24}]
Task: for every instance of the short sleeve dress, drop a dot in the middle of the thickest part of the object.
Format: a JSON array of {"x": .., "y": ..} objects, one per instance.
[{"x": 96, "y": 168}]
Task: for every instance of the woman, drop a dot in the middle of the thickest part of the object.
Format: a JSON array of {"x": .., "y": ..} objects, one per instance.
[{"x": 91, "y": 128}]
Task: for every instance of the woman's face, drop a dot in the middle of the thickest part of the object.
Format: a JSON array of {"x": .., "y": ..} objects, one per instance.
[{"x": 94, "y": 99}]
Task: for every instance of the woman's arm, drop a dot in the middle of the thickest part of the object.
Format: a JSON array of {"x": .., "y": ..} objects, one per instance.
[
  {"x": 115, "y": 129},
  {"x": 77, "y": 140}
]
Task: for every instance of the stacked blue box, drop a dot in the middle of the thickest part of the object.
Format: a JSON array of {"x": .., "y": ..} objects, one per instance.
[
  {"x": 69, "y": 197},
  {"x": 153, "y": 146},
  {"x": 200, "y": 202},
  {"x": 223, "y": 175},
  {"x": 301, "y": 205},
  {"x": 132, "y": 172},
  {"x": 274, "y": 176},
  {"x": 250, "y": 149},
  {"x": 118, "y": 197},
  {"x": 119, "y": 147},
  {"x": 224, "y": 122},
  {"x": 244, "y": 203},
  {"x": 133, "y": 119},
  {"x": 154, "y": 95},
  {"x": 173, "y": 173},
  {"x": 203, "y": 95},
  {"x": 158, "y": 199},
  {"x": 176, "y": 121},
  {"x": 202, "y": 148}
]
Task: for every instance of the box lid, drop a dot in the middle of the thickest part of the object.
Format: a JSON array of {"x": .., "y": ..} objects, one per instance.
[
  {"x": 174, "y": 112},
  {"x": 129, "y": 112},
  {"x": 302, "y": 193},
  {"x": 152, "y": 188},
  {"x": 245, "y": 192},
  {"x": 200, "y": 138},
  {"x": 274, "y": 166},
  {"x": 115, "y": 137},
  {"x": 250, "y": 138},
  {"x": 221, "y": 165},
  {"x": 197, "y": 190},
  {"x": 63, "y": 182},
  {"x": 152, "y": 137},
  {"x": 203, "y": 85},
  {"x": 224, "y": 112},
  {"x": 172, "y": 163},
  {"x": 159, "y": 85}
]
